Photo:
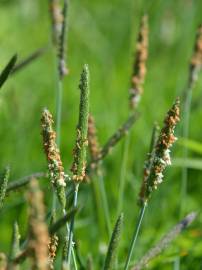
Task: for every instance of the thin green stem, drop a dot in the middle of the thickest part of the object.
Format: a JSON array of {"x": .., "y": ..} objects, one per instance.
[
  {"x": 176, "y": 264},
  {"x": 59, "y": 94},
  {"x": 71, "y": 229},
  {"x": 105, "y": 202},
  {"x": 97, "y": 202},
  {"x": 68, "y": 232},
  {"x": 185, "y": 134},
  {"x": 123, "y": 174},
  {"x": 135, "y": 235}
]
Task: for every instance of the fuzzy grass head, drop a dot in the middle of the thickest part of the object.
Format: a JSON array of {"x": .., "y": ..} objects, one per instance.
[
  {"x": 161, "y": 153},
  {"x": 196, "y": 60},
  {"x": 139, "y": 67},
  {"x": 56, "y": 170},
  {"x": 79, "y": 164},
  {"x": 38, "y": 231}
]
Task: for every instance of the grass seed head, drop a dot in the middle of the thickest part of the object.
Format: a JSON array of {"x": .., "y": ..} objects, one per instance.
[
  {"x": 3, "y": 185},
  {"x": 139, "y": 68},
  {"x": 196, "y": 60},
  {"x": 3, "y": 261},
  {"x": 52, "y": 247},
  {"x": 63, "y": 70},
  {"x": 56, "y": 19},
  {"x": 161, "y": 157},
  {"x": 56, "y": 170},
  {"x": 79, "y": 163},
  {"x": 148, "y": 164},
  {"x": 38, "y": 232},
  {"x": 93, "y": 144}
]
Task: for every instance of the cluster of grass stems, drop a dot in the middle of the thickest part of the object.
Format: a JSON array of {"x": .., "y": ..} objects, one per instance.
[{"x": 39, "y": 249}]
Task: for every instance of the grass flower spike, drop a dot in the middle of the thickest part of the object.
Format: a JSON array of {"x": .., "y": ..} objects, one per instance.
[
  {"x": 62, "y": 43},
  {"x": 139, "y": 68},
  {"x": 113, "y": 245},
  {"x": 3, "y": 185},
  {"x": 56, "y": 19},
  {"x": 55, "y": 166},
  {"x": 148, "y": 163},
  {"x": 196, "y": 60},
  {"x": 79, "y": 163},
  {"x": 93, "y": 144},
  {"x": 38, "y": 232},
  {"x": 161, "y": 157},
  {"x": 158, "y": 160}
]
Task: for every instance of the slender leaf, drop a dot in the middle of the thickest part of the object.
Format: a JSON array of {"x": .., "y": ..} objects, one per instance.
[{"x": 7, "y": 70}]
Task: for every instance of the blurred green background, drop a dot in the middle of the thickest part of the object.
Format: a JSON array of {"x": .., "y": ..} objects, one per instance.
[{"x": 103, "y": 34}]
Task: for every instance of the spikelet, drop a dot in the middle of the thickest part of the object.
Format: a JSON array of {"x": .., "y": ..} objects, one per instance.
[
  {"x": 148, "y": 163},
  {"x": 15, "y": 244},
  {"x": 161, "y": 156},
  {"x": 52, "y": 247},
  {"x": 53, "y": 242},
  {"x": 139, "y": 68},
  {"x": 62, "y": 43},
  {"x": 79, "y": 163},
  {"x": 3, "y": 261},
  {"x": 196, "y": 60},
  {"x": 3, "y": 185},
  {"x": 93, "y": 144},
  {"x": 113, "y": 245},
  {"x": 38, "y": 232},
  {"x": 55, "y": 166},
  {"x": 56, "y": 19}
]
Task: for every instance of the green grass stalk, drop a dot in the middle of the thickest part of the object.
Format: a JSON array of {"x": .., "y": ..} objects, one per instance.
[
  {"x": 123, "y": 174},
  {"x": 104, "y": 202},
  {"x": 70, "y": 240},
  {"x": 185, "y": 134},
  {"x": 135, "y": 235},
  {"x": 72, "y": 249}
]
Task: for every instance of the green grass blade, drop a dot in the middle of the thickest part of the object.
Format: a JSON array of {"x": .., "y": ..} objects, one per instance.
[{"x": 7, "y": 70}]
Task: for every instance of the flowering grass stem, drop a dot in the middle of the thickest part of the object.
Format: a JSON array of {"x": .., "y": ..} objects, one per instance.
[
  {"x": 185, "y": 134},
  {"x": 70, "y": 240},
  {"x": 135, "y": 235},
  {"x": 123, "y": 174},
  {"x": 105, "y": 202}
]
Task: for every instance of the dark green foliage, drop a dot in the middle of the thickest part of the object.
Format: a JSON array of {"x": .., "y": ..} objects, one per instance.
[{"x": 7, "y": 70}]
